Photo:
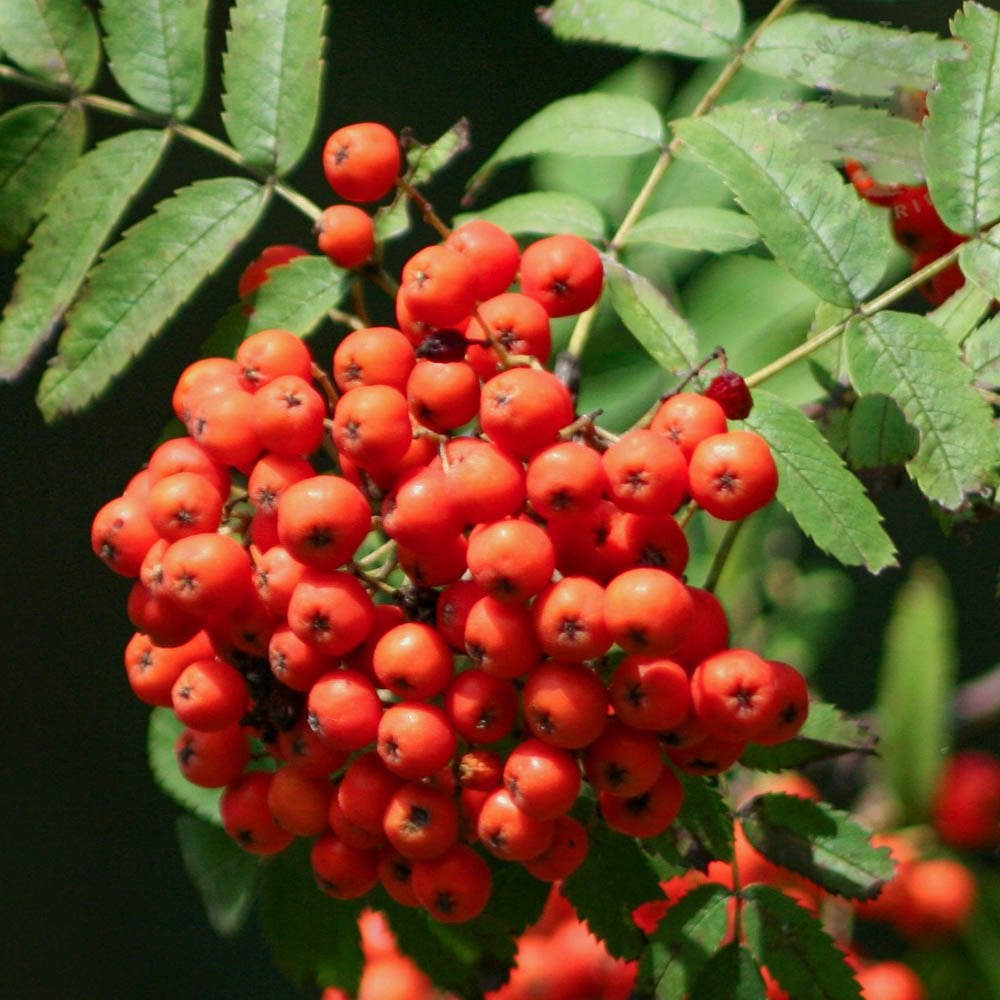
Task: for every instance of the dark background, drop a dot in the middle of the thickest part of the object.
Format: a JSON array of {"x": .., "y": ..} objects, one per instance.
[{"x": 95, "y": 901}]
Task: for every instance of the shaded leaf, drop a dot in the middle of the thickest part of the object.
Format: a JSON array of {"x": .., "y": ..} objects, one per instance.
[
  {"x": 313, "y": 938},
  {"x": 812, "y": 221},
  {"x": 38, "y": 144},
  {"x": 817, "y": 841},
  {"x": 962, "y": 131},
  {"x": 164, "y": 729},
  {"x": 982, "y": 352},
  {"x": 730, "y": 972},
  {"x": 878, "y": 435},
  {"x": 423, "y": 162},
  {"x": 272, "y": 72},
  {"x": 55, "y": 40},
  {"x": 827, "y": 733},
  {"x": 615, "y": 877},
  {"x": 650, "y": 317},
  {"x": 916, "y": 683},
  {"x": 591, "y": 124},
  {"x": 791, "y": 942},
  {"x": 141, "y": 282},
  {"x": 868, "y": 60},
  {"x": 224, "y": 874},
  {"x": 828, "y": 503},
  {"x": 543, "y": 212},
  {"x": 706, "y": 817},
  {"x": 82, "y": 213},
  {"x": 156, "y": 51},
  {"x": 905, "y": 357},
  {"x": 710, "y": 28},
  {"x": 718, "y": 230},
  {"x": 686, "y": 938},
  {"x": 980, "y": 261}
]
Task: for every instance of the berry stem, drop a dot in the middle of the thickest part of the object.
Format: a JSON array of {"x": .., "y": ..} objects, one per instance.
[
  {"x": 722, "y": 555},
  {"x": 426, "y": 209},
  {"x": 862, "y": 311},
  {"x": 581, "y": 331}
]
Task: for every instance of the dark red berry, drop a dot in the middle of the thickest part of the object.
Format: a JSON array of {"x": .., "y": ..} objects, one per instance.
[
  {"x": 731, "y": 393},
  {"x": 443, "y": 345}
]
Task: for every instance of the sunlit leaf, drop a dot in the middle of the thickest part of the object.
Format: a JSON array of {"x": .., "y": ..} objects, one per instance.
[
  {"x": 55, "y": 40},
  {"x": 718, "y": 230},
  {"x": 982, "y": 352},
  {"x": 426, "y": 161},
  {"x": 980, "y": 261}
]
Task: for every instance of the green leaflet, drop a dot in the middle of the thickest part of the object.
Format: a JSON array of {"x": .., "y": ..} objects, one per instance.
[
  {"x": 817, "y": 841},
  {"x": 693, "y": 929},
  {"x": 706, "y": 817},
  {"x": 791, "y": 942},
  {"x": 156, "y": 52},
  {"x": 916, "y": 683},
  {"x": 718, "y": 230},
  {"x": 980, "y": 261},
  {"x": 827, "y": 733},
  {"x": 38, "y": 144},
  {"x": 272, "y": 72},
  {"x": 164, "y": 728},
  {"x": 224, "y": 874},
  {"x": 710, "y": 28},
  {"x": 849, "y": 56},
  {"x": 827, "y": 501},
  {"x": 84, "y": 210},
  {"x": 962, "y": 132},
  {"x": 982, "y": 352},
  {"x": 141, "y": 282},
  {"x": 591, "y": 124},
  {"x": 731, "y": 972},
  {"x": 650, "y": 317},
  {"x": 960, "y": 312},
  {"x": 878, "y": 435},
  {"x": 812, "y": 222},
  {"x": 542, "y": 213},
  {"x": 52, "y": 39},
  {"x": 425, "y": 161},
  {"x": 635, "y": 880},
  {"x": 905, "y": 357}
]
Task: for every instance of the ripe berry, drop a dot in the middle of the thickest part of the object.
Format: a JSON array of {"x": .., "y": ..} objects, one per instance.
[
  {"x": 438, "y": 286},
  {"x": 454, "y": 887},
  {"x": 733, "y": 474},
  {"x": 564, "y": 273},
  {"x": 648, "y": 611},
  {"x": 346, "y": 235},
  {"x": 648, "y": 814},
  {"x": 522, "y": 410},
  {"x": 342, "y": 871},
  {"x": 731, "y": 393},
  {"x": 688, "y": 418},
  {"x": 362, "y": 161},
  {"x": 736, "y": 694},
  {"x": 493, "y": 253},
  {"x": 966, "y": 807},
  {"x": 247, "y": 818},
  {"x": 375, "y": 355}
]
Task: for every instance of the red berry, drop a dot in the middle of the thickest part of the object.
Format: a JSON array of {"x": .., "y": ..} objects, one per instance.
[
  {"x": 731, "y": 393},
  {"x": 361, "y": 161}
]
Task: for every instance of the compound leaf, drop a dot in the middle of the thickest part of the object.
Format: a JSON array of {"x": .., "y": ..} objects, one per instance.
[
  {"x": 827, "y": 501},
  {"x": 141, "y": 282},
  {"x": 718, "y": 230},
  {"x": 791, "y": 942},
  {"x": 164, "y": 728},
  {"x": 868, "y": 60},
  {"x": 817, "y": 841},
  {"x": 615, "y": 877},
  {"x": 827, "y": 732},
  {"x": 55, "y": 40},
  {"x": 962, "y": 131},
  {"x": 686, "y": 938},
  {"x": 89, "y": 202},
  {"x": 313, "y": 938},
  {"x": 710, "y": 28},
  {"x": 38, "y": 144},
  {"x": 224, "y": 874},
  {"x": 916, "y": 683},
  {"x": 272, "y": 72},
  {"x": 980, "y": 261},
  {"x": 650, "y": 317},
  {"x": 543, "y": 212},
  {"x": 593, "y": 124},
  {"x": 156, "y": 52},
  {"x": 812, "y": 222},
  {"x": 905, "y": 357}
]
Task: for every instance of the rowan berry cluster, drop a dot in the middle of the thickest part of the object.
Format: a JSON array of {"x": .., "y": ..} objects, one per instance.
[{"x": 437, "y": 604}]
